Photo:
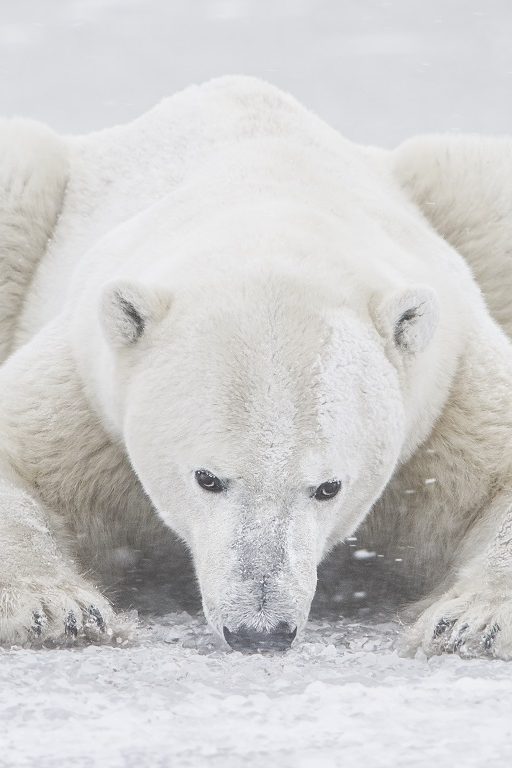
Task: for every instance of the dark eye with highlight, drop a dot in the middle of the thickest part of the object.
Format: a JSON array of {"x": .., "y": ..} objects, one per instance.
[
  {"x": 327, "y": 490},
  {"x": 208, "y": 481}
]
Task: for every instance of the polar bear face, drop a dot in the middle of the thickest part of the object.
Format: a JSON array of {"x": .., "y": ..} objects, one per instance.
[{"x": 263, "y": 427}]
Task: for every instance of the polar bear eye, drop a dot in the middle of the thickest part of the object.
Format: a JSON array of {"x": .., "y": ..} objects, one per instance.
[
  {"x": 327, "y": 490},
  {"x": 208, "y": 481}
]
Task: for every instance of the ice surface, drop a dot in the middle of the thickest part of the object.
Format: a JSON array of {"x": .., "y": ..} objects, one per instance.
[
  {"x": 342, "y": 698},
  {"x": 379, "y": 71}
]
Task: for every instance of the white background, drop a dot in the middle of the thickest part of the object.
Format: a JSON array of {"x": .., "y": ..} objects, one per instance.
[{"x": 379, "y": 70}]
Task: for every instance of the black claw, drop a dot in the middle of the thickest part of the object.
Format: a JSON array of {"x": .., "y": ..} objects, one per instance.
[
  {"x": 96, "y": 617},
  {"x": 490, "y": 636},
  {"x": 38, "y": 623},
  {"x": 461, "y": 637},
  {"x": 70, "y": 625},
  {"x": 442, "y": 626}
]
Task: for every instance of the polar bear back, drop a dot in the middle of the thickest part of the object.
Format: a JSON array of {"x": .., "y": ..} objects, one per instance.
[{"x": 121, "y": 171}]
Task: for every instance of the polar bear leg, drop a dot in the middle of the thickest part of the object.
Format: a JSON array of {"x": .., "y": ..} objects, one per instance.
[
  {"x": 42, "y": 597},
  {"x": 474, "y": 616},
  {"x": 33, "y": 175},
  {"x": 463, "y": 186},
  {"x": 43, "y": 418}
]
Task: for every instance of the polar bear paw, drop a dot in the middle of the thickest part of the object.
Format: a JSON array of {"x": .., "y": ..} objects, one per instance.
[
  {"x": 64, "y": 613},
  {"x": 470, "y": 624}
]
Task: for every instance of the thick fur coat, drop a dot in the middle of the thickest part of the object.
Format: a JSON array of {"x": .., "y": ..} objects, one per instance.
[{"x": 226, "y": 318}]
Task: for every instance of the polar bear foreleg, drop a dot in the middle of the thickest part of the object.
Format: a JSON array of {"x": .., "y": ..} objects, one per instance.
[
  {"x": 42, "y": 596},
  {"x": 474, "y": 616}
]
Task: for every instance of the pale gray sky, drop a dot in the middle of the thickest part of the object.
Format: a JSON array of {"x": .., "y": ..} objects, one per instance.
[{"x": 379, "y": 70}]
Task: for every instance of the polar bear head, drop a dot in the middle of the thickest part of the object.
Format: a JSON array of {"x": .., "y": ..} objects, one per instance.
[{"x": 263, "y": 421}]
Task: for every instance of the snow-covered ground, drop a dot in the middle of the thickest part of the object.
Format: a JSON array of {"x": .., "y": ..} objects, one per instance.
[
  {"x": 342, "y": 698},
  {"x": 379, "y": 71}
]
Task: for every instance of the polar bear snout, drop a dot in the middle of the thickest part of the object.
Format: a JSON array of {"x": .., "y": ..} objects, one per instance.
[
  {"x": 263, "y": 613},
  {"x": 248, "y": 640}
]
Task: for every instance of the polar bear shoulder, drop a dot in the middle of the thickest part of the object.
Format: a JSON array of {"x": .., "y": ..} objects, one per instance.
[
  {"x": 33, "y": 174},
  {"x": 463, "y": 186}
]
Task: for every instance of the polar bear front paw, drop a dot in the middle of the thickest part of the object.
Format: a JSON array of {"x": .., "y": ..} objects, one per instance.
[
  {"x": 470, "y": 624},
  {"x": 34, "y": 614}
]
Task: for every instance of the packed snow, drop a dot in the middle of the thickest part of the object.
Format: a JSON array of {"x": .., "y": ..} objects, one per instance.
[
  {"x": 342, "y": 697},
  {"x": 167, "y": 693}
]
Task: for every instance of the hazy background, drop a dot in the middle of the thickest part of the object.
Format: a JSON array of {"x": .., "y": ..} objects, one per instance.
[{"x": 379, "y": 70}]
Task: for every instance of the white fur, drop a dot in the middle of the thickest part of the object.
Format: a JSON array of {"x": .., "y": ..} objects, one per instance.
[
  {"x": 232, "y": 286},
  {"x": 33, "y": 175}
]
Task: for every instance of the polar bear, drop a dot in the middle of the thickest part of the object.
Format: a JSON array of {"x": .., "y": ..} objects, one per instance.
[{"x": 226, "y": 317}]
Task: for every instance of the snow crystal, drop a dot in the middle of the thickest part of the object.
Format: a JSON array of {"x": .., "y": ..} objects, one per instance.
[{"x": 363, "y": 554}]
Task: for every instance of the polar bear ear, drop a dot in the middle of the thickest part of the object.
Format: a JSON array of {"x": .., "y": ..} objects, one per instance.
[
  {"x": 127, "y": 309},
  {"x": 408, "y": 318}
]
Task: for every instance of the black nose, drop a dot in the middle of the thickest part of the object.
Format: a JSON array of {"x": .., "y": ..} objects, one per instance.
[{"x": 249, "y": 640}]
